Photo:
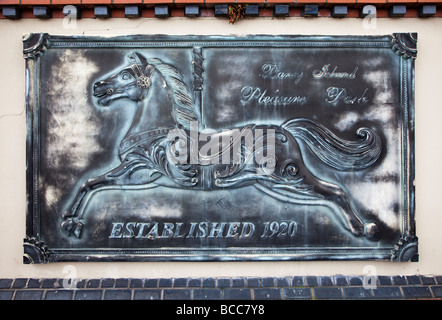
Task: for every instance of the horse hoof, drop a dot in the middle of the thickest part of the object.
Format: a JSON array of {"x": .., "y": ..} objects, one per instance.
[
  {"x": 371, "y": 232},
  {"x": 73, "y": 227},
  {"x": 78, "y": 229},
  {"x": 68, "y": 225}
]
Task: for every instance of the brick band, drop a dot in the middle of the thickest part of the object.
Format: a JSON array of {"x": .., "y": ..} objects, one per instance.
[
  {"x": 245, "y": 288},
  {"x": 99, "y": 9}
]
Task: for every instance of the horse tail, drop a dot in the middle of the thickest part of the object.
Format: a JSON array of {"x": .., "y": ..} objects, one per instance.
[{"x": 336, "y": 152}]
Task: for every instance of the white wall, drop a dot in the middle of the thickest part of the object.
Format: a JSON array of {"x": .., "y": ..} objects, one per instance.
[{"x": 428, "y": 144}]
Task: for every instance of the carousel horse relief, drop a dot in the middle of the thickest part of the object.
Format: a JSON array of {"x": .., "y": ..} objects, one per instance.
[{"x": 157, "y": 153}]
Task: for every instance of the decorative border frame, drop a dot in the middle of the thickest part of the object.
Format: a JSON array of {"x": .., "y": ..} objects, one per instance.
[{"x": 35, "y": 45}]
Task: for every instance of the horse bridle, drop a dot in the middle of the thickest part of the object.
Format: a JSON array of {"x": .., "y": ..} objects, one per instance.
[{"x": 143, "y": 81}]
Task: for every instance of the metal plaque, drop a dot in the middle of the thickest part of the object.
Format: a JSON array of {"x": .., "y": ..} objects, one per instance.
[{"x": 198, "y": 148}]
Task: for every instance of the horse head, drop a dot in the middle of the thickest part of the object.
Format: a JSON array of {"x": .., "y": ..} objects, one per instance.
[{"x": 132, "y": 82}]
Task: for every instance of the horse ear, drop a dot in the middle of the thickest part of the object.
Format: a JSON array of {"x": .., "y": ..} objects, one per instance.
[
  {"x": 139, "y": 59},
  {"x": 148, "y": 70}
]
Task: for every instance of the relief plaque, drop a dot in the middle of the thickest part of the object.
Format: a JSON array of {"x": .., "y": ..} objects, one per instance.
[{"x": 220, "y": 148}]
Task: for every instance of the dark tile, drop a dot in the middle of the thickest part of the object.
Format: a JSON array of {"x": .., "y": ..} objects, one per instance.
[
  {"x": 416, "y": 292},
  {"x": 384, "y": 280},
  {"x": 191, "y": 10},
  {"x": 81, "y": 283},
  {"x": 427, "y": 10},
  {"x": 177, "y": 294},
  {"x": 117, "y": 294},
  {"x": 387, "y": 292},
  {"x": 413, "y": 280},
  {"x": 209, "y": 283},
  {"x": 427, "y": 280},
  {"x": 326, "y": 281},
  {"x": 131, "y": 11},
  {"x": 51, "y": 283},
  {"x": 147, "y": 294},
  {"x": 253, "y": 282},
  {"x": 327, "y": 293},
  {"x": 311, "y": 281},
  {"x": 281, "y": 10},
  {"x": 268, "y": 282},
  {"x": 82, "y": 294},
  {"x": 298, "y": 281},
  {"x": 59, "y": 294},
  {"x": 252, "y": 10},
  {"x": 6, "y": 294},
  {"x": 136, "y": 283},
  {"x": 42, "y": 12},
  {"x": 339, "y": 11},
  {"x": 5, "y": 283},
  {"x": 11, "y": 12},
  {"x": 165, "y": 283},
  {"x": 206, "y": 294},
  {"x": 161, "y": 11},
  {"x": 310, "y": 10},
  {"x": 238, "y": 283},
  {"x": 221, "y": 10},
  {"x": 224, "y": 283},
  {"x": 341, "y": 280},
  {"x": 297, "y": 293},
  {"x": 151, "y": 283},
  {"x": 232, "y": 294},
  {"x": 399, "y": 280},
  {"x": 107, "y": 283},
  {"x": 194, "y": 283},
  {"x": 282, "y": 282},
  {"x": 28, "y": 295},
  {"x": 180, "y": 283},
  {"x": 437, "y": 291},
  {"x": 34, "y": 283},
  {"x": 355, "y": 281},
  {"x": 93, "y": 283},
  {"x": 103, "y": 12},
  {"x": 267, "y": 293},
  {"x": 397, "y": 10},
  {"x": 20, "y": 283},
  {"x": 356, "y": 293},
  {"x": 122, "y": 283}
]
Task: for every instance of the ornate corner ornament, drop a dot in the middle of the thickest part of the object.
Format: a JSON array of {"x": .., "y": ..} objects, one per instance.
[
  {"x": 34, "y": 251},
  {"x": 35, "y": 44},
  {"x": 406, "y": 250},
  {"x": 405, "y": 44}
]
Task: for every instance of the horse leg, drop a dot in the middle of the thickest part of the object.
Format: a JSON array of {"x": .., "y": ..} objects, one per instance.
[
  {"x": 70, "y": 222},
  {"x": 334, "y": 194},
  {"x": 321, "y": 193},
  {"x": 119, "y": 176}
]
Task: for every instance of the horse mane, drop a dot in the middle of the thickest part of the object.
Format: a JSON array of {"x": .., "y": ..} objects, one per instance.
[{"x": 183, "y": 108}]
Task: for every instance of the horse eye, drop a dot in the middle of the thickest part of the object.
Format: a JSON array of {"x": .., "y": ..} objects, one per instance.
[{"x": 126, "y": 76}]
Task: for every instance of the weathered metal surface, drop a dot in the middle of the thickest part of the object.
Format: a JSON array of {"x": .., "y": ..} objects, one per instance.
[{"x": 147, "y": 148}]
